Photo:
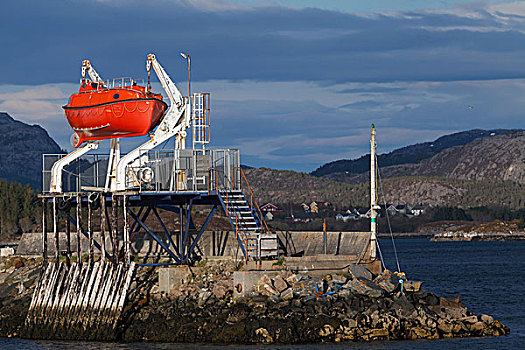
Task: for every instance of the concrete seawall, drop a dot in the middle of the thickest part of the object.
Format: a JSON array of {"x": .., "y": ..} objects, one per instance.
[{"x": 219, "y": 243}]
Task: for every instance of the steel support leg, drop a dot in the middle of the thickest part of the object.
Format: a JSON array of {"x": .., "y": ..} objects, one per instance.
[
  {"x": 159, "y": 241},
  {"x": 55, "y": 231},
  {"x": 44, "y": 229},
  {"x": 68, "y": 239},
  {"x": 79, "y": 229},
  {"x": 114, "y": 229},
  {"x": 127, "y": 258},
  {"x": 185, "y": 250},
  {"x": 203, "y": 228},
  {"x": 102, "y": 228},
  {"x": 90, "y": 234},
  {"x": 168, "y": 235}
]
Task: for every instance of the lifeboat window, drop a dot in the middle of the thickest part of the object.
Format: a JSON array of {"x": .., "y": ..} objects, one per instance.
[
  {"x": 84, "y": 85},
  {"x": 94, "y": 85},
  {"x": 115, "y": 96}
]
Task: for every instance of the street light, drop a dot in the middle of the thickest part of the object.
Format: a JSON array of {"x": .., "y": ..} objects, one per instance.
[{"x": 188, "y": 57}]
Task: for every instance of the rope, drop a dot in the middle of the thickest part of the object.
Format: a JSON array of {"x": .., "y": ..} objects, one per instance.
[{"x": 387, "y": 217}]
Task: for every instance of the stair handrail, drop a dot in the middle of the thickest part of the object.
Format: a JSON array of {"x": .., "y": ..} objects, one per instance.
[{"x": 253, "y": 200}]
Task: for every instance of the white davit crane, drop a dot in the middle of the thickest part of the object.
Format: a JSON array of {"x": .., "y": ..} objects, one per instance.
[
  {"x": 175, "y": 122},
  {"x": 87, "y": 68},
  {"x": 58, "y": 166}
]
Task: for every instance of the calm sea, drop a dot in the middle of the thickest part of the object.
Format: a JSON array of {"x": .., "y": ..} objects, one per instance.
[{"x": 487, "y": 275}]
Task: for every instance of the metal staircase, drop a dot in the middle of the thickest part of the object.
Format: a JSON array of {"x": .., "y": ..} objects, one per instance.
[{"x": 244, "y": 221}]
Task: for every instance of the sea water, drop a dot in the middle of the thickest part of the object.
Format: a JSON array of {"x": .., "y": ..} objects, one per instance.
[{"x": 489, "y": 276}]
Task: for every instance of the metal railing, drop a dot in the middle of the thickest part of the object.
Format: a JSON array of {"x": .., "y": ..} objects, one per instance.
[{"x": 152, "y": 171}]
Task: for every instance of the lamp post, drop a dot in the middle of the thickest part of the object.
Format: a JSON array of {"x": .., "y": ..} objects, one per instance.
[{"x": 188, "y": 57}]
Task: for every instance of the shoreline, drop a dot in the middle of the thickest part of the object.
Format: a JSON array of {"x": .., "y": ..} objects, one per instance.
[{"x": 202, "y": 309}]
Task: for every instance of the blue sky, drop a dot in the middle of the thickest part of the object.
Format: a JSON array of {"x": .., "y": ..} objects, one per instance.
[{"x": 294, "y": 83}]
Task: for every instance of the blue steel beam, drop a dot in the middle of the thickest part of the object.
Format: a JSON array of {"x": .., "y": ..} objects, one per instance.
[
  {"x": 168, "y": 235},
  {"x": 172, "y": 254},
  {"x": 208, "y": 219},
  {"x": 184, "y": 249}
]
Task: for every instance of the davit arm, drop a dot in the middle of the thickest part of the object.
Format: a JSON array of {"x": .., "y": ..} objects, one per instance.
[
  {"x": 87, "y": 68},
  {"x": 174, "y": 123}
]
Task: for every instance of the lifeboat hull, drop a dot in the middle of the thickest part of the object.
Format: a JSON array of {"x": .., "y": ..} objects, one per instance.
[{"x": 113, "y": 113}]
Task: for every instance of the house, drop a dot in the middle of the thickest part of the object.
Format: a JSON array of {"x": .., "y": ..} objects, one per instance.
[
  {"x": 268, "y": 216},
  {"x": 389, "y": 209},
  {"x": 418, "y": 210},
  {"x": 314, "y": 207},
  {"x": 362, "y": 212},
  {"x": 339, "y": 217},
  {"x": 270, "y": 208}
]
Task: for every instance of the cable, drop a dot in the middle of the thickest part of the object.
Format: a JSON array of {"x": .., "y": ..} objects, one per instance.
[{"x": 387, "y": 217}]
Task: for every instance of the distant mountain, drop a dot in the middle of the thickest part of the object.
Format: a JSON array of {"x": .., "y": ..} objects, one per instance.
[
  {"x": 498, "y": 157},
  {"x": 412, "y": 154},
  {"x": 21, "y": 149}
]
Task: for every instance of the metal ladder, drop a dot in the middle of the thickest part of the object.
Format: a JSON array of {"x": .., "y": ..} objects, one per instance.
[{"x": 244, "y": 221}]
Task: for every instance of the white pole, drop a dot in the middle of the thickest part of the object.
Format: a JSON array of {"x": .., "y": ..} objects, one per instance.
[{"x": 373, "y": 204}]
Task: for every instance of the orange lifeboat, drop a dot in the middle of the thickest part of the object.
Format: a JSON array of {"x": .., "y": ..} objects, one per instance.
[{"x": 98, "y": 112}]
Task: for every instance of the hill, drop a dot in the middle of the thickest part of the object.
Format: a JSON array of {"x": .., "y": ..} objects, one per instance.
[
  {"x": 21, "y": 149},
  {"x": 281, "y": 187},
  {"x": 412, "y": 154},
  {"x": 498, "y": 158}
]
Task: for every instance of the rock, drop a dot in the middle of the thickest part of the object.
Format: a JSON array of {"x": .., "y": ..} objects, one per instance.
[
  {"x": 219, "y": 291},
  {"x": 287, "y": 294},
  {"x": 264, "y": 335},
  {"x": 487, "y": 319},
  {"x": 377, "y": 333},
  {"x": 269, "y": 290},
  {"x": 339, "y": 279},
  {"x": 274, "y": 299},
  {"x": 412, "y": 286},
  {"x": 403, "y": 307},
  {"x": 469, "y": 319},
  {"x": 364, "y": 287},
  {"x": 359, "y": 272},
  {"x": 259, "y": 286},
  {"x": 444, "y": 326},
  {"x": 280, "y": 284},
  {"x": 386, "y": 285},
  {"x": 419, "y": 333},
  {"x": 203, "y": 297},
  {"x": 326, "y": 331},
  {"x": 292, "y": 279},
  {"x": 477, "y": 327}
]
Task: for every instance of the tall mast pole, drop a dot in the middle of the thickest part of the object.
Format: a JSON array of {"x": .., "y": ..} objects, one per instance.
[{"x": 373, "y": 196}]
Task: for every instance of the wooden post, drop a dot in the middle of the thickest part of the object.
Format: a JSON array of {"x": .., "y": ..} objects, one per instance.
[
  {"x": 55, "y": 231},
  {"x": 114, "y": 229},
  {"x": 44, "y": 229},
  {"x": 68, "y": 239},
  {"x": 90, "y": 234},
  {"x": 127, "y": 258},
  {"x": 103, "y": 229},
  {"x": 79, "y": 229}
]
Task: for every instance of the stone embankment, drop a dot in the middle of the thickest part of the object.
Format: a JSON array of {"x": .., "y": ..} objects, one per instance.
[
  {"x": 493, "y": 231},
  {"x": 287, "y": 308}
]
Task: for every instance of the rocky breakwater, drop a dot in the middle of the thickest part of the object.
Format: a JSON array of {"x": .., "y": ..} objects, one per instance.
[
  {"x": 296, "y": 308},
  {"x": 492, "y": 231}
]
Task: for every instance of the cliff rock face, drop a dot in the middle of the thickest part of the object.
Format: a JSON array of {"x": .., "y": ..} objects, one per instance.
[
  {"x": 21, "y": 149},
  {"x": 500, "y": 157}
]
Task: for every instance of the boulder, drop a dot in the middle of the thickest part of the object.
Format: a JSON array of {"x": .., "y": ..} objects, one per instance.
[
  {"x": 292, "y": 279},
  {"x": 364, "y": 287},
  {"x": 412, "y": 286},
  {"x": 219, "y": 290},
  {"x": 263, "y": 281},
  {"x": 280, "y": 284},
  {"x": 487, "y": 319},
  {"x": 359, "y": 272},
  {"x": 287, "y": 294}
]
